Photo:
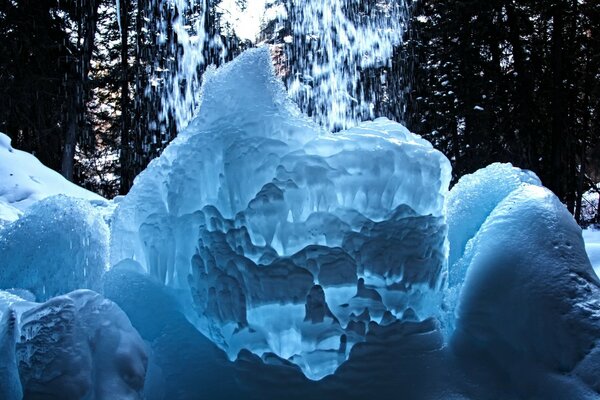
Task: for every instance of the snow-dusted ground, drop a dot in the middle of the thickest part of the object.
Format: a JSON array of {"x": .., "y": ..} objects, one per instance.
[
  {"x": 592, "y": 247},
  {"x": 25, "y": 180}
]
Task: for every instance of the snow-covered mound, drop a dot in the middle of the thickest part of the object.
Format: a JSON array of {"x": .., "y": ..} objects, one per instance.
[
  {"x": 469, "y": 204},
  {"x": 474, "y": 198},
  {"x": 529, "y": 307},
  {"x": 59, "y": 245},
  {"x": 289, "y": 240},
  {"x": 75, "y": 346},
  {"x": 24, "y": 180}
]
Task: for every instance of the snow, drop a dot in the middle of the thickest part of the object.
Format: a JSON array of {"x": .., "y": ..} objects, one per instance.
[
  {"x": 589, "y": 209},
  {"x": 531, "y": 295},
  {"x": 8, "y": 214},
  {"x": 79, "y": 345},
  {"x": 253, "y": 208},
  {"x": 24, "y": 180},
  {"x": 474, "y": 197}
]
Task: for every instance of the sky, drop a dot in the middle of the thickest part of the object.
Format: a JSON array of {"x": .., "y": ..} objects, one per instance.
[{"x": 246, "y": 23}]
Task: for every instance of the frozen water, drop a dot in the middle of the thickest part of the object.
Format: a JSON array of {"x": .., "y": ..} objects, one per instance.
[
  {"x": 262, "y": 217},
  {"x": 468, "y": 206},
  {"x": 10, "y": 383},
  {"x": 24, "y": 180},
  {"x": 531, "y": 295},
  {"x": 474, "y": 197},
  {"x": 59, "y": 245},
  {"x": 321, "y": 255},
  {"x": 333, "y": 43},
  {"x": 183, "y": 363},
  {"x": 79, "y": 345}
]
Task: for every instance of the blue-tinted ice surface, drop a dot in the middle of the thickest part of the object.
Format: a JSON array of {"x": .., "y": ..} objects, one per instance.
[
  {"x": 530, "y": 300},
  {"x": 316, "y": 263},
  {"x": 59, "y": 245},
  {"x": 287, "y": 239},
  {"x": 473, "y": 199},
  {"x": 76, "y": 346}
]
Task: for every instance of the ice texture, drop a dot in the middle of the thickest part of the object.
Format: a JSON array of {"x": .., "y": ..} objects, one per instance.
[
  {"x": 473, "y": 199},
  {"x": 10, "y": 384},
  {"x": 288, "y": 240},
  {"x": 59, "y": 245},
  {"x": 8, "y": 214},
  {"x": 24, "y": 180},
  {"x": 530, "y": 301},
  {"x": 75, "y": 346},
  {"x": 469, "y": 204}
]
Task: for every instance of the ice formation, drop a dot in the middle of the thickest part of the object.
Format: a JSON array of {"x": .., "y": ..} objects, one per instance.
[
  {"x": 59, "y": 245},
  {"x": 317, "y": 262},
  {"x": 474, "y": 198},
  {"x": 530, "y": 303},
  {"x": 24, "y": 180},
  {"x": 75, "y": 346},
  {"x": 287, "y": 239}
]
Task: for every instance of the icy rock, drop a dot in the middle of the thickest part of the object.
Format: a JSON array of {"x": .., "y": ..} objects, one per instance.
[
  {"x": 253, "y": 206},
  {"x": 530, "y": 294},
  {"x": 24, "y": 180},
  {"x": 59, "y": 245},
  {"x": 80, "y": 345}
]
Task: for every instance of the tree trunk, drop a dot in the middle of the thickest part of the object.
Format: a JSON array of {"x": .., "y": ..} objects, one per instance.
[
  {"x": 557, "y": 108},
  {"x": 124, "y": 101},
  {"x": 88, "y": 17}
]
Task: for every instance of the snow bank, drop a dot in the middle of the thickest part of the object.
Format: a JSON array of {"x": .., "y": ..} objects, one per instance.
[
  {"x": 530, "y": 302},
  {"x": 25, "y": 180},
  {"x": 473, "y": 199},
  {"x": 288, "y": 240}
]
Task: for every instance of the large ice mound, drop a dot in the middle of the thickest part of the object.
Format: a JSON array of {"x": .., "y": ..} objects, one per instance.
[
  {"x": 473, "y": 199},
  {"x": 529, "y": 306},
  {"x": 59, "y": 245},
  {"x": 75, "y": 346},
  {"x": 288, "y": 240}
]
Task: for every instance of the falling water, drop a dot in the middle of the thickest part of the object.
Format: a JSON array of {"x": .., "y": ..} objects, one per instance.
[
  {"x": 190, "y": 47},
  {"x": 333, "y": 43}
]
